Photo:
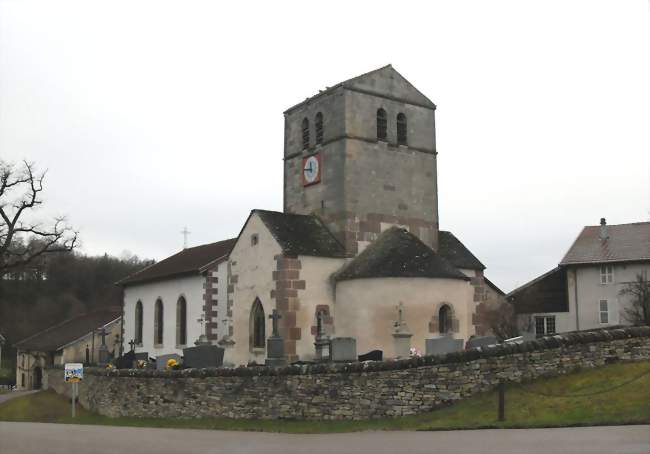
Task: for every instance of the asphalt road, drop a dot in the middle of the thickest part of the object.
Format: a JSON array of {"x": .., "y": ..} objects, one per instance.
[{"x": 30, "y": 438}]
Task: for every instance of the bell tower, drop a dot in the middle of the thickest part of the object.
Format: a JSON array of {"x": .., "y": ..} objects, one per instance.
[{"x": 361, "y": 155}]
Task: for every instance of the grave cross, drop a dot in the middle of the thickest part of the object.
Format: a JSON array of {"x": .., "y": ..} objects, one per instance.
[
  {"x": 132, "y": 344},
  {"x": 201, "y": 320},
  {"x": 275, "y": 316},
  {"x": 102, "y": 332}
]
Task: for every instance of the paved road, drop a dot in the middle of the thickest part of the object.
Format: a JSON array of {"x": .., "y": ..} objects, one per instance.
[{"x": 28, "y": 438}]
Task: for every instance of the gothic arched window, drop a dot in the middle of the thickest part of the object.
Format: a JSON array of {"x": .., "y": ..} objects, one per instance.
[
  {"x": 382, "y": 124},
  {"x": 401, "y": 129},
  {"x": 319, "y": 128},
  {"x": 158, "y": 323},
  {"x": 138, "y": 323},
  {"x": 305, "y": 134},
  {"x": 444, "y": 319},
  {"x": 181, "y": 321},
  {"x": 257, "y": 325}
]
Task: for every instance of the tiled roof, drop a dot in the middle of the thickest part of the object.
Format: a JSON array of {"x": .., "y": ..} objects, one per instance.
[
  {"x": 546, "y": 293},
  {"x": 399, "y": 253},
  {"x": 55, "y": 337},
  {"x": 187, "y": 261},
  {"x": 625, "y": 242},
  {"x": 299, "y": 234},
  {"x": 455, "y": 252}
]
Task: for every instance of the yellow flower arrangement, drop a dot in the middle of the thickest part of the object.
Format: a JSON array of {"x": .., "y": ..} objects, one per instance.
[
  {"x": 171, "y": 363},
  {"x": 109, "y": 366}
]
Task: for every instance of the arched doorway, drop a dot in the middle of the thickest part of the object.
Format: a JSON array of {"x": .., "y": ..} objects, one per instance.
[{"x": 38, "y": 378}]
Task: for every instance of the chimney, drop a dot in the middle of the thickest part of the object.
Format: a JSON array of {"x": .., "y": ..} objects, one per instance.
[{"x": 603, "y": 229}]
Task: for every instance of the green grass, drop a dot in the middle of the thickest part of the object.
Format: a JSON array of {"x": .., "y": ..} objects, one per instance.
[{"x": 629, "y": 404}]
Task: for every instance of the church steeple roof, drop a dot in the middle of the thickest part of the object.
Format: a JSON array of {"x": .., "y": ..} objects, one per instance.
[{"x": 399, "y": 253}]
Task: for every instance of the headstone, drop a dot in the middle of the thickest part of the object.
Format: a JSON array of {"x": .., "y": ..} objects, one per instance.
[
  {"x": 344, "y": 349},
  {"x": 322, "y": 343},
  {"x": 125, "y": 361},
  {"x": 401, "y": 335},
  {"x": 374, "y": 355},
  {"x": 441, "y": 345},
  {"x": 161, "y": 360},
  {"x": 481, "y": 341},
  {"x": 203, "y": 356},
  {"x": 275, "y": 344}
]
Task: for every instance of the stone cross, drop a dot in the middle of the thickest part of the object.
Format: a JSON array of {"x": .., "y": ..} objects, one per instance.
[
  {"x": 400, "y": 313},
  {"x": 132, "y": 344},
  {"x": 201, "y": 320},
  {"x": 275, "y": 316},
  {"x": 102, "y": 332},
  {"x": 185, "y": 233}
]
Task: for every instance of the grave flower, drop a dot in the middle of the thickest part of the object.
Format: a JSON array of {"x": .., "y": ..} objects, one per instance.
[{"x": 172, "y": 364}]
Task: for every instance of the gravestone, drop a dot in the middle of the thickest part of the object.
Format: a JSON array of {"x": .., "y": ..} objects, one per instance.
[
  {"x": 322, "y": 344},
  {"x": 203, "y": 356},
  {"x": 125, "y": 361},
  {"x": 161, "y": 360},
  {"x": 481, "y": 341},
  {"x": 441, "y": 345},
  {"x": 401, "y": 335},
  {"x": 343, "y": 349},
  {"x": 275, "y": 344},
  {"x": 374, "y": 355}
]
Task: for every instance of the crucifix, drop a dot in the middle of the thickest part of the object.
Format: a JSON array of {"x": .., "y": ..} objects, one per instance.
[
  {"x": 275, "y": 316},
  {"x": 201, "y": 320},
  {"x": 132, "y": 344},
  {"x": 185, "y": 234},
  {"x": 102, "y": 332}
]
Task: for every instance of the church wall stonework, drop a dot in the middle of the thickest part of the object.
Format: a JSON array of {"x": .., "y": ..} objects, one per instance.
[
  {"x": 347, "y": 391},
  {"x": 374, "y": 301}
]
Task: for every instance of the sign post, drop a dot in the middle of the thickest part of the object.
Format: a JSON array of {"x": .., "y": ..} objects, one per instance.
[{"x": 74, "y": 373}]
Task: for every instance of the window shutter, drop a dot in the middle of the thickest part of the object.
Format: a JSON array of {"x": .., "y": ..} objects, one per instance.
[{"x": 613, "y": 312}]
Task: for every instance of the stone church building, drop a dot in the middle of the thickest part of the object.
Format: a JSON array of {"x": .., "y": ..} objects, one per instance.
[{"x": 359, "y": 234}]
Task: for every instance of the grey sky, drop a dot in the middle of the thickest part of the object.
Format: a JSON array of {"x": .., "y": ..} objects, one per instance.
[{"x": 154, "y": 115}]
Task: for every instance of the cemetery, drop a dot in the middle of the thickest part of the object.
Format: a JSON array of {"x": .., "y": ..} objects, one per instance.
[{"x": 341, "y": 387}]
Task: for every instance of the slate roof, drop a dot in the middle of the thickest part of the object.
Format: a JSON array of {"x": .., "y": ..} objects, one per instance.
[
  {"x": 299, "y": 234},
  {"x": 187, "y": 261},
  {"x": 625, "y": 242},
  {"x": 399, "y": 253},
  {"x": 55, "y": 337},
  {"x": 456, "y": 253},
  {"x": 546, "y": 293}
]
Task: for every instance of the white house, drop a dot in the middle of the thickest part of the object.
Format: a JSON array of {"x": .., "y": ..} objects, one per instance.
[
  {"x": 583, "y": 292},
  {"x": 169, "y": 304}
]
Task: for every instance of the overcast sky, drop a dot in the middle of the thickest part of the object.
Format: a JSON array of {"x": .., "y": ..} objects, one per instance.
[{"x": 153, "y": 115}]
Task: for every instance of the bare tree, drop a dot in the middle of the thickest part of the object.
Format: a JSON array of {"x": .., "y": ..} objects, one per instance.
[
  {"x": 500, "y": 318},
  {"x": 639, "y": 293},
  {"x": 21, "y": 240}
]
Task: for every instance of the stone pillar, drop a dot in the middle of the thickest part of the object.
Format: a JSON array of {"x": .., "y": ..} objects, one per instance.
[{"x": 401, "y": 335}]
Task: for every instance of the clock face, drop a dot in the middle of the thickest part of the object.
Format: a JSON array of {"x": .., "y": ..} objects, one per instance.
[{"x": 311, "y": 167}]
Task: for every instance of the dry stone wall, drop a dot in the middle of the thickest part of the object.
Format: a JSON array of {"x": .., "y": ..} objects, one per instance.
[{"x": 348, "y": 391}]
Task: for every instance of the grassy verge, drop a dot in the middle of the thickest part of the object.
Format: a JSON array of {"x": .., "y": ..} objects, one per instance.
[{"x": 628, "y": 404}]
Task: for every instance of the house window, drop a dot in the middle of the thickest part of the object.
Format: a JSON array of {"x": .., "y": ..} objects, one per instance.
[
  {"x": 305, "y": 134},
  {"x": 382, "y": 124},
  {"x": 255, "y": 239},
  {"x": 603, "y": 311},
  {"x": 319, "y": 128},
  {"x": 544, "y": 326},
  {"x": 606, "y": 274},
  {"x": 257, "y": 325},
  {"x": 138, "y": 323},
  {"x": 181, "y": 321},
  {"x": 401, "y": 129},
  {"x": 158, "y": 323},
  {"x": 444, "y": 319}
]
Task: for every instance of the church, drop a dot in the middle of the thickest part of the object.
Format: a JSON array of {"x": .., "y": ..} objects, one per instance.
[{"x": 358, "y": 236}]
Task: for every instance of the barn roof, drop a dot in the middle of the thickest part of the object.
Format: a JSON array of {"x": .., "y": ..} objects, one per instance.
[
  {"x": 55, "y": 337},
  {"x": 399, "y": 253},
  {"x": 546, "y": 293}
]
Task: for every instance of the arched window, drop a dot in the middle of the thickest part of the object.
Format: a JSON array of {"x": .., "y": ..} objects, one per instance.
[
  {"x": 181, "y": 321},
  {"x": 382, "y": 124},
  {"x": 305, "y": 134},
  {"x": 138, "y": 323},
  {"x": 257, "y": 325},
  {"x": 158, "y": 323},
  {"x": 401, "y": 129},
  {"x": 444, "y": 319},
  {"x": 319, "y": 128}
]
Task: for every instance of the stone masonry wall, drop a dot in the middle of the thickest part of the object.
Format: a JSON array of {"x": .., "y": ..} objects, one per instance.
[{"x": 348, "y": 391}]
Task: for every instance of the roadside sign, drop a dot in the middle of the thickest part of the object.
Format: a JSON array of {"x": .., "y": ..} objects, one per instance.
[{"x": 74, "y": 372}]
